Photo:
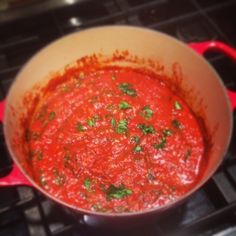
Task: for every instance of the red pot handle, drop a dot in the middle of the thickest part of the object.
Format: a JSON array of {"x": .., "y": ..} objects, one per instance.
[
  {"x": 15, "y": 177},
  {"x": 202, "y": 47}
]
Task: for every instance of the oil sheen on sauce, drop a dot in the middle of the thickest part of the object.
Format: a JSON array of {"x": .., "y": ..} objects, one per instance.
[{"x": 114, "y": 140}]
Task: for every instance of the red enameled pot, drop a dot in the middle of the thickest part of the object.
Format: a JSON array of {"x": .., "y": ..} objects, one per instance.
[{"x": 197, "y": 76}]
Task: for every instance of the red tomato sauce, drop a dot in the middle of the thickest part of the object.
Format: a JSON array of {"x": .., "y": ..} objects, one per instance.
[{"x": 114, "y": 140}]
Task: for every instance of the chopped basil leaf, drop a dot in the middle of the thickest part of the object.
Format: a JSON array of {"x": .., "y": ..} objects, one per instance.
[
  {"x": 79, "y": 127},
  {"x": 177, "y": 106},
  {"x": 59, "y": 178},
  {"x": 147, "y": 112},
  {"x": 146, "y": 129},
  {"x": 108, "y": 115},
  {"x": 120, "y": 192},
  {"x": 91, "y": 122},
  {"x": 113, "y": 122},
  {"x": 87, "y": 184},
  {"x": 102, "y": 187},
  {"x": 137, "y": 149},
  {"x": 127, "y": 89},
  {"x": 31, "y": 135},
  {"x": 122, "y": 127},
  {"x": 52, "y": 115},
  {"x": 124, "y": 105},
  {"x": 187, "y": 154},
  {"x": 160, "y": 145},
  {"x": 150, "y": 176},
  {"x": 110, "y": 107},
  {"x": 176, "y": 124},
  {"x": 96, "y": 117},
  {"x": 167, "y": 132},
  {"x": 67, "y": 156},
  {"x": 136, "y": 139},
  {"x": 42, "y": 180}
]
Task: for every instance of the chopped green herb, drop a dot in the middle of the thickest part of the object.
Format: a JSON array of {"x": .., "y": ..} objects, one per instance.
[
  {"x": 160, "y": 145},
  {"x": 137, "y": 149},
  {"x": 87, "y": 184},
  {"x": 113, "y": 122},
  {"x": 66, "y": 160},
  {"x": 96, "y": 117},
  {"x": 42, "y": 180},
  {"x": 176, "y": 124},
  {"x": 108, "y": 115},
  {"x": 79, "y": 127},
  {"x": 177, "y": 106},
  {"x": 147, "y": 112},
  {"x": 59, "y": 178},
  {"x": 52, "y": 115},
  {"x": 102, "y": 187},
  {"x": 120, "y": 192},
  {"x": 124, "y": 105},
  {"x": 136, "y": 139},
  {"x": 91, "y": 122},
  {"x": 150, "y": 176},
  {"x": 187, "y": 154},
  {"x": 122, "y": 127},
  {"x": 167, "y": 132},
  {"x": 110, "y": 107},
  {"x": 67, "y": 156},
  {"x": 146, "y": 129},
  {"x": 40, "y": 155},
  {"x": 128, "y": 89}
]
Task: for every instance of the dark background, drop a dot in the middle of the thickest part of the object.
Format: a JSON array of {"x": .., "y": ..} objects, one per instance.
[{"x": 26, "y": 26}]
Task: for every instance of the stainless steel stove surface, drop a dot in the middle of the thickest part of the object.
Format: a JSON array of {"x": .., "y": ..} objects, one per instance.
[{"x": 24, "y": 30}]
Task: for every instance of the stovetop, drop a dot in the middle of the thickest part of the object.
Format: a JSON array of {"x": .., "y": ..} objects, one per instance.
[{"x": 26, "y": 29}]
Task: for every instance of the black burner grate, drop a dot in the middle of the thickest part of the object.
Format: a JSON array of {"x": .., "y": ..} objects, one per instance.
[{"x": 23, "y": 31}]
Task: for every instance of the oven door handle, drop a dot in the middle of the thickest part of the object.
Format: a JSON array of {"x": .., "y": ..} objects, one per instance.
[{"x": 203, "y": 47}]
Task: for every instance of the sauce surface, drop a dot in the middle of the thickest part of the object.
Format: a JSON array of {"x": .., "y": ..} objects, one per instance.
[{"x": 114, "y": 140}]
